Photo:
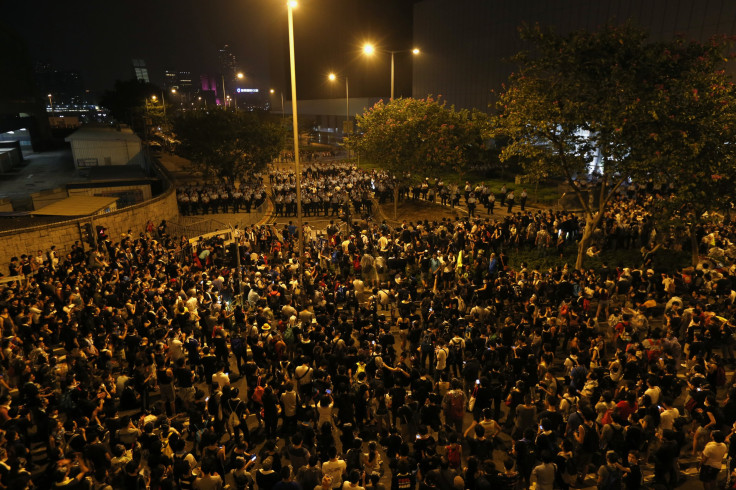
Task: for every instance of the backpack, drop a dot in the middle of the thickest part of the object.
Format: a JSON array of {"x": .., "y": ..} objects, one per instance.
[
  {"x": 340, "y": 293},
  {"x": 720, "y": 376},
  {"x": 180, "y": 466},
  {"x": 612, "y": 481},
  {"x": 258, "y": 393},
  {"x": 456, "y": 350},
  {"x": 590, "y": 439},
  {"x": 289, "y": 336},
  {"x": 427, "y": 344},
  {"x": 456, "y": 408},
  {"x": 237, "y": 344},
  {"x": 166, "y": 447},
  {"x": 354, "y": 459},
  {"x": 617, "y": 441},
  {"x": 607, "y": 417},
  {"x": 453, "y": 455},
  {"x": 233, "y": 419}
]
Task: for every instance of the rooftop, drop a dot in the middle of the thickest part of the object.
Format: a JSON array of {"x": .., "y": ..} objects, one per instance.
[
  {"x": 102, "y": 134},
  {"x": 76, "y": 206}
]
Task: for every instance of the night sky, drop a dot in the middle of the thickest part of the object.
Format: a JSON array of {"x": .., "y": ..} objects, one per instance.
[{"x": 99, "y": 39}]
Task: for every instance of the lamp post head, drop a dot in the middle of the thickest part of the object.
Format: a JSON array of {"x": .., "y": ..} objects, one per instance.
[
  {"x": 415, "y": 51},
  {"x": 173, "y": 90},
  {"x": 332, "y": 77},
  {"x": 272, "y": 91},
  {"x": 240, "y": 76},
  {"x": 369, "y": 49},
  {"x": 49, "y": 95},
  {"x": 292, "y": 3},
  {"x": 154, "y": 98}
]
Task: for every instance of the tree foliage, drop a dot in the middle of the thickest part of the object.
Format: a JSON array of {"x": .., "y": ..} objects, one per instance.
[
  {"x": 598, "y": 95},
  {"x": 225, "y": 144},
  {"x": 695, "y": 137},
  {"x": 129, "y": 99},
  {"x": 418, "y": 136}
]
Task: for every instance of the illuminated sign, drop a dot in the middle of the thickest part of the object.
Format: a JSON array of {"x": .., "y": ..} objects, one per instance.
[{"x": 246, "y": 90}]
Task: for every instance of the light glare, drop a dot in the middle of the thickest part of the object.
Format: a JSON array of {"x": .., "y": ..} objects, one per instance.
[{"x": 369, "y": 49}]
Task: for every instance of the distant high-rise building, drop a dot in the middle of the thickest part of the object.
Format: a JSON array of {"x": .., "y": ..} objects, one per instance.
[
  {"x": 184, "y": 80},
  {"x": 208, "y": 83},
  {"x": 65, "y": 86},
  {"x": 228, "y": 69},
  {"x": 208, "y": 89},
  {"x": 140, "y": 71},
  {"x": 170, "y": 79}
]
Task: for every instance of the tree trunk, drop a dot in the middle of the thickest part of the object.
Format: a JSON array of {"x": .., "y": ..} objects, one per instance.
[
  {"x": 694, "y": 251},
  {"x": 584, "y": 242},
  {"x": 396, "y": 200}
]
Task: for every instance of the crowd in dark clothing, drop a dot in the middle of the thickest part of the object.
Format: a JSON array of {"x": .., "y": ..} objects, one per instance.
[{"x": 413, "y": 352}]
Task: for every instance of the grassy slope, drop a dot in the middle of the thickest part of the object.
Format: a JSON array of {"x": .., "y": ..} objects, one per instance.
[{"x": 546, "y": 193}]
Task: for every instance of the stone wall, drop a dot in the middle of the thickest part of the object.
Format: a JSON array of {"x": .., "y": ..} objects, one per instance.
[{"x": 63, "y": 235}]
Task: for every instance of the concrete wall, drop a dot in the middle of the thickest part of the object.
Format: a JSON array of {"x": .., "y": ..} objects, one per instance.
[
  {"x": 63, "y": 235},
  {"x": 107, "y": 152}
]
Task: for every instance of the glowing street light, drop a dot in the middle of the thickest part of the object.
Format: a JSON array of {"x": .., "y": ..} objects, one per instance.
[
  {"x": 240, "y": 75},
  {"x": 369, "y": 50},
  {"x": 332, "y": 77},
  {"x": 51, "y": 102},
  {"x": 273, "y": 91}
]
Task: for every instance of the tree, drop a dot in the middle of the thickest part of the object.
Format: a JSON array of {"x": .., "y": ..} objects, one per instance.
[
  {"x": 695, "y": 136},
  {"x": 410, "y": 137},
  {"x": 225, "y": 144},
  {"x": 128, "y": 101},
  {"x": 587, "y": 98}
]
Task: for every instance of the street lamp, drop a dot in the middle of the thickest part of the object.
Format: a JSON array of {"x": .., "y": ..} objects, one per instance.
[
  {"x": 291, "y": 4},
  {"x": 239, "y": 76},
  {"x": 332, "y": 77},
  {"x": 51, "y": 102},
  {"x": 369, "y": 50},
  {"x": 273, "y": 91}
]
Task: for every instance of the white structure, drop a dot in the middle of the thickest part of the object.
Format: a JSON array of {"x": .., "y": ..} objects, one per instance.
[{"x": 93, "y": 147}]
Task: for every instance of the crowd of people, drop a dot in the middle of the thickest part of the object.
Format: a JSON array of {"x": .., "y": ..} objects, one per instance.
[{"x": 410, "y": 354}]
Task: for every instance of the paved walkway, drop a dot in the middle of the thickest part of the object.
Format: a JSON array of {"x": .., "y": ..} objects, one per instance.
[{"x": 40, "y": 172}]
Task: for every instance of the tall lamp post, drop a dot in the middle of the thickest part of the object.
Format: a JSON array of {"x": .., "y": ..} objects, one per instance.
[
  {"x": 224, "y": 94},
  {"x": 51, "y": 102},
  {"x": 291, "y": 4},
  {"x": 273, "y": 91},
  {"x": 369, "y": 49},
  {"x": 240, "y": 76},
  {"x": 163, "y": 104},
  {"x": 332, "y": 77}
]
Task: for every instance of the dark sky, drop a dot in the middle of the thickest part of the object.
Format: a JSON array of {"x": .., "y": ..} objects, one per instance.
[{"x": 99, "y": 38}]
